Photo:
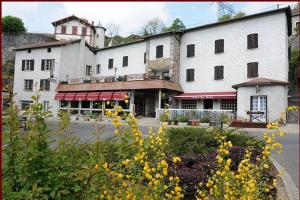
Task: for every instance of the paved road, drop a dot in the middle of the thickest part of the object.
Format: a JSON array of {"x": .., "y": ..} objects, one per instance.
[{"x": 288, "y": 159}]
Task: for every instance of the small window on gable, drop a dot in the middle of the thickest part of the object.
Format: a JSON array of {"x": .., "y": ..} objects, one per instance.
[
  {"x": 63, "y": 29},
  {"x": 252, "y": 41},
  {"x": 98, "y": 69},
  {"x": 88, "y": 70},
  {"x": 74, "y": 30},
  {"x": 190, "y": 50},
  {"x": 84, "y": 29},
  {"x": 159, "y": 51},
  {"x": 49, "y": 50},
  {"x": 219, "y": 46},
  {"x": 29, "y": 51}
]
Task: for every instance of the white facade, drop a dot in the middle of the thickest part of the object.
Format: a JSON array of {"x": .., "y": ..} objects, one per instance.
[{"x": 272, "y": 57}]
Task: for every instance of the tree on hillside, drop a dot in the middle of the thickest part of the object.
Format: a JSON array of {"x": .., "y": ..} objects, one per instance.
[
  {"x": 228, "y": 16},
  {"x": 153, "y": 26},
  {"x": 177, "y": 25},
  {"x": 11, "y": 24}
]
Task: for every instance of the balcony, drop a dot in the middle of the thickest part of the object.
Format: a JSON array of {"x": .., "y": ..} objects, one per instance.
[
  {"x": 125, "y": 78},
  {"x": 160, "y": 64}
]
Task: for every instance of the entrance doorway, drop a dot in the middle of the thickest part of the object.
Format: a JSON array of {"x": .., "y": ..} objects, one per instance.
[
  {"x": 139, "y": 102},
  {"x": 208, "y": 103},
  {"x": 259, "y": 103}
]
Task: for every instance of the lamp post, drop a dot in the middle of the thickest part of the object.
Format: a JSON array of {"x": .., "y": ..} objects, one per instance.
[{"x": 115, "y": 73}]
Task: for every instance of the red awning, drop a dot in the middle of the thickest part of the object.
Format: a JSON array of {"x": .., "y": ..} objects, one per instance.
[
  {"x": 80, "y": 96},
  {"x": 207, "y": 95},
  {"x": 119, "y": 96},
  {"x": 59, "y": 96},
  {"x": 70, "y": 96},
  {"x": 93, "y": 96},
  {"x": 106, "y": 96}
]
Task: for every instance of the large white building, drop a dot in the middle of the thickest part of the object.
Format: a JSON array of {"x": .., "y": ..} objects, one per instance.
[{"x": 240, "y": 65}]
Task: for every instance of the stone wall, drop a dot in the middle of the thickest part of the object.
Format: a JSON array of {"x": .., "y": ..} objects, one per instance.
[{"x": 10, "y": 41}]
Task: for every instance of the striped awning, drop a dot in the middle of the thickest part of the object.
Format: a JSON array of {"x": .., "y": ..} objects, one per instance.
[
  {"x": 93, "y": 96},
  {"x": 60, "y": 96},
  {"x": 80, "y": 96},
  {"x": 105, "y": 96},
  {"x": 207, "y": 95},
  {"x": 70, "y": 96},
  {"x": 119, "y": 96}
]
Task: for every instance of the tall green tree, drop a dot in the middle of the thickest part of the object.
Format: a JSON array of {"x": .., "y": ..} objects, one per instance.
[
  {"x": 11, "y": 24},
  {"x": 177, "y": 25}
]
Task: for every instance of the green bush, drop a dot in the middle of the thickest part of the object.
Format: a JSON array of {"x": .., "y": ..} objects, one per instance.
[
  {"x": 183, "y": 118},
  {"x": 190, "y": 140},
  {"x": 205, "y": 119}
]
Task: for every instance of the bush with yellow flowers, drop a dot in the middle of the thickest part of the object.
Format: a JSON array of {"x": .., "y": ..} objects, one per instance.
[
  {"x": 145, "y": 173},
  {"x": 249, "y": 180}
]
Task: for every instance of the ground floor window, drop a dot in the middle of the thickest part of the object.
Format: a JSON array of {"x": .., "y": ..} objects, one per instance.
[
  {"x": 123, "y": 104},
  {"x": 228, "y": 104},
  {"x": 46, "y": 105},
  {"x": 85, "y": 104},
  {"x": 189, "y": 104},
  {"x": 97, "y": 104},
  {"x": 74, "y": 104},
  {"x": 25, "y": 104},
  {"x": 64, "y": 104}
]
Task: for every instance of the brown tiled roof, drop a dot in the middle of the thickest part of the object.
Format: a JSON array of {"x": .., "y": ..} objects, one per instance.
[
  {"x": 47, "y": 44},
  {"x": 122, "y": 85},
  {"x": 260, "y": 81},
  {"x": 70, "y": 18}
]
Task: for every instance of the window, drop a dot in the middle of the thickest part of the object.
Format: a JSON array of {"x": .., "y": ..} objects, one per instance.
[
  {"x": 189, "y": 104},
  {"x": 219, "y": 72},
  {"x": 190, "y": 74},
  {"x": 27, "y": 65},
  {"x": 97, "y": 104},
  {"x": 85, "y": 104},
  {"x": 159, "y": 51},
  {"x": 252, "y": 70},
  {"x": 28, "y": 83},
  {"x": 74, "y": 104},
  {"x": 110, "y": 63},
  {"x": 47, "y": 64},
  {"x": 228, "y": 104},
  {"x": 252, "y": 41},
  {"x": 125, "y": 61},
  {"x": 25, "y": 104},
  {"x": 88, "y": 71},
  {"x": 98, "y": 69},
  {"x": 63, "y": 104},
  {"x": 84, "y": 30},
  {"x": 258, "y": 103},
  {"x": 190, "y": 50},
  {"x": 29, "y": 51},
  {"x": 49, "y": 50},
  {"x": 74, "y": 30},
  {"x": 123, "y": 104},
  {"x": 219, "y": 46},
  {"x": 64, "y": 29},
  {"x": 145, "y": 57},
  {"x": 46, "y": 105},
  {"x": 97, "y": 35},
  {"x": 44, "y": 85}
]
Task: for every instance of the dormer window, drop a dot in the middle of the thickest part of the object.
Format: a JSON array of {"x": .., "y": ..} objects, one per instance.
[
  {"x": 84, "y": 29},
  {"x": 74, "y": 30},
  {"x": 63, "y": 29}
]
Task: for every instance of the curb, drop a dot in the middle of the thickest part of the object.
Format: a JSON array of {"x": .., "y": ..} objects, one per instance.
[{"x": 290, "y": 186}]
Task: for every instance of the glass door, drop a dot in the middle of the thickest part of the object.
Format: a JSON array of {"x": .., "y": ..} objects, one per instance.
[{"x": 259, "y": 103}]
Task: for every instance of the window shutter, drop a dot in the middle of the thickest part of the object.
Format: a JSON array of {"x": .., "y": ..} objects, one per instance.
[
  {"x": 30, "y": 84},
  {"x": 144, "y": 57},
  {"x": 255, "y": 69},
  {"x": 255, "y": 38},
  {"x": 23, "y": 65},
  {"x": 32, "y": 65},
  {"x": 192, "y": 74},
  {"x": 41, "y": 84},
  {"x": 192, "y": 53},
  {"x": 216, "y": 47},
  {"x": 47, "y": 84},
  {"x": 216, "y": 72},
  {"x": 43, "y": 65},
  {"x": 249, "y": 70},
  {"x": 249, "y": 41},
  {"x": 221, "y": 75},
  {"x": 221, "y": 46},
  {"x": 188, "y": 75},
  {"x": 157, "y": 49}
]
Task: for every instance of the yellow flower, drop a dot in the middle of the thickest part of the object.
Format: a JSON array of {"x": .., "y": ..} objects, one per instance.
[
  {"x": 176, "y": 159},
  {"x": 96, "y": 166},
  {"x": 126, "y": 101},
  {"x": 228, "y": 162},
  {"x": 220, "y": 160},
  {"x": 107, "y": 102},
  {"x": 266, "y": 166}
]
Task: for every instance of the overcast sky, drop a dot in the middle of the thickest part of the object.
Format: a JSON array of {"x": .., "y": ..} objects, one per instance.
[{"x": 130, "y": 16}]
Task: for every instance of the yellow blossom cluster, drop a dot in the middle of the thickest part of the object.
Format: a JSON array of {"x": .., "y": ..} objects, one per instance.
[
  {"x": 292, "y": 108},
  {"x": 245, "y": 183}
]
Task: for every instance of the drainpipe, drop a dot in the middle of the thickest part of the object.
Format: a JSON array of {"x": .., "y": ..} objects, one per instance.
[{"x": 80, "y": 71}]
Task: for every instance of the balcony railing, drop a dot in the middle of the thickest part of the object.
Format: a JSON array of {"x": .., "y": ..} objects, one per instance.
[{"x": 108, "y": 79}]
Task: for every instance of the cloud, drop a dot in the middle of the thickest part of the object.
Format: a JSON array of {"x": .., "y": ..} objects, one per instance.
[
  {"x": 20, "y": 9},
  {"x": 130, "y": 16},
  {"x": 254, "y": 7}
]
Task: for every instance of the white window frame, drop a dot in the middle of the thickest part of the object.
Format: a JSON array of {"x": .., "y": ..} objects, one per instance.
[
  {"x": 49, "y": 64},
  {"x": 46, "y": 105},
  {"x": 27, "y": 84},
  {"x": 189, "y": 104},
  {"x": 27, "y": 65}
]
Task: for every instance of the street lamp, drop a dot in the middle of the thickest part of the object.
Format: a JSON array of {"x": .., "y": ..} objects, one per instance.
[{"x": 115, "y": 68}]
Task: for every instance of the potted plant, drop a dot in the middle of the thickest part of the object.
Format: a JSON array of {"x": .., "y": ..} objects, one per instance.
[
  {"x": 164, "y": 118},
  {"x": 182, "y": 120},
  {"x": 175, "y": 121},
  {"x": 205, "y": 121}
]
